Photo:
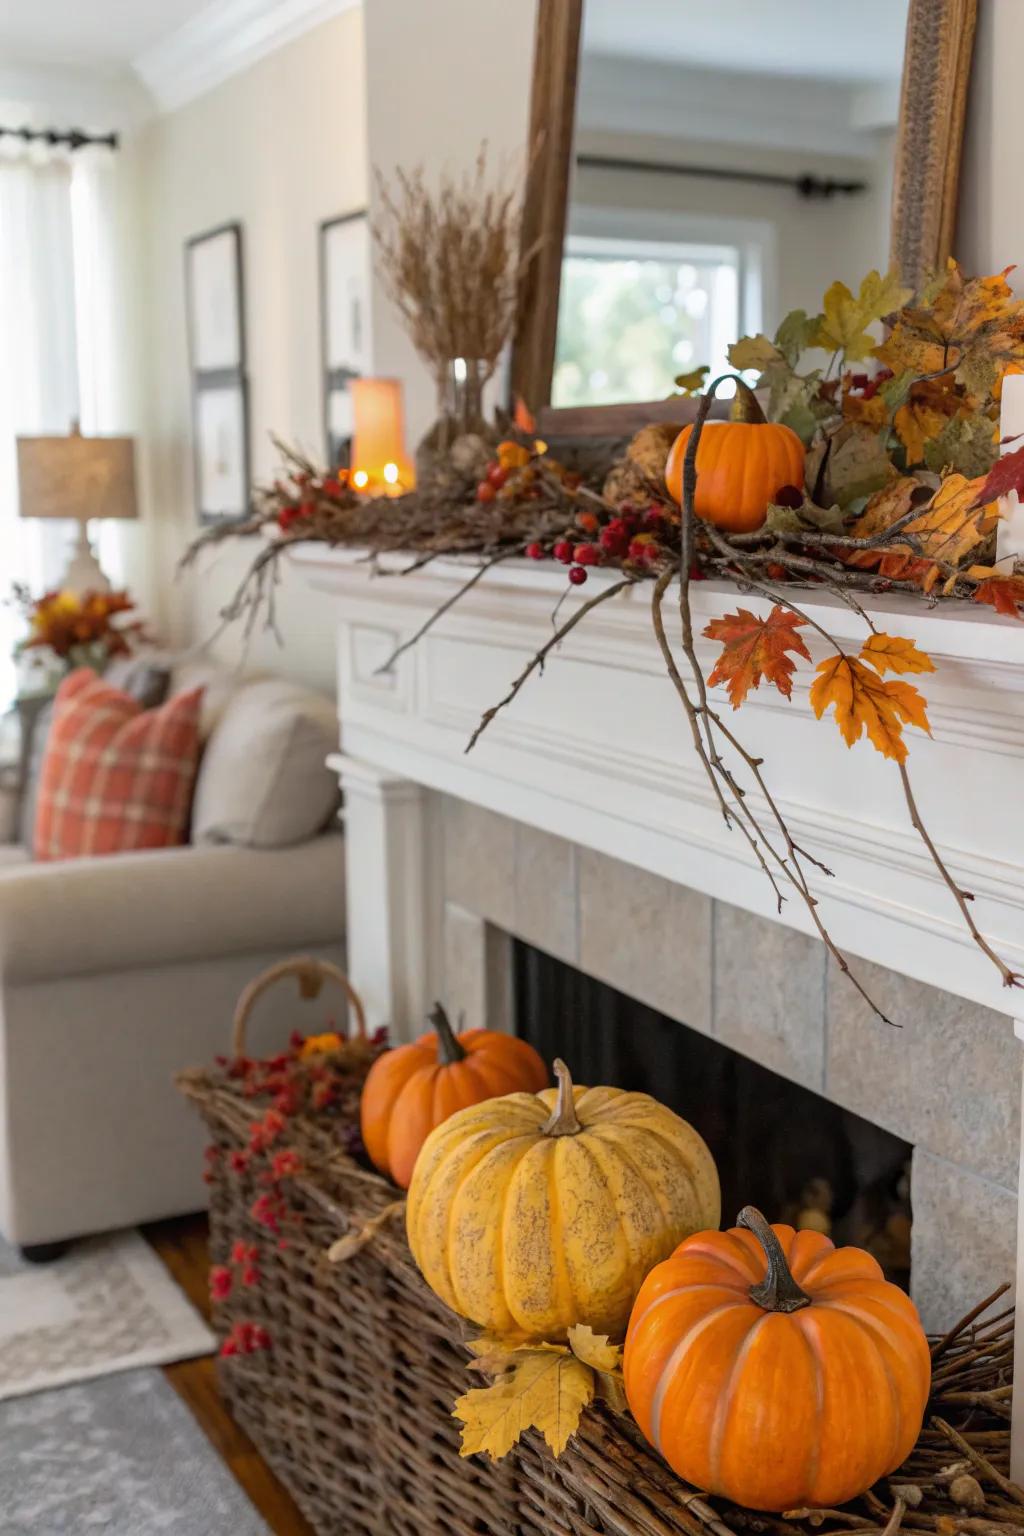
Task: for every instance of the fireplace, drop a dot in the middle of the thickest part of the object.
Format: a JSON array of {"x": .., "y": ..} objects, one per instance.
[
  {"x": 581, "y": 826},
  {"x": 777, "y": 1145}
]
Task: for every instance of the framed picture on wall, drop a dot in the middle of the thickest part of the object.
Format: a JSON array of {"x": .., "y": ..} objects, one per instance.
[
  {"x": 215, "y": 317},
  {"x": 344, "y": 324}
]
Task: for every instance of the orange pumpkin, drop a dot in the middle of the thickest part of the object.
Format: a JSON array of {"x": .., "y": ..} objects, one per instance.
[
  {"x": 412, "y": 1089},
  {"x": 772, "y": 1368},
  {"x": 742, "y": 465}
]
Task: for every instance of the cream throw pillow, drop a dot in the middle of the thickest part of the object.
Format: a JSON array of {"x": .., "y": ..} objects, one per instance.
[{"x": 263, "y": 781}]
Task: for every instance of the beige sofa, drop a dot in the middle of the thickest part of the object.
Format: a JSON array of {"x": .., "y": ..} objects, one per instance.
[{"x": 116, "y": 972}]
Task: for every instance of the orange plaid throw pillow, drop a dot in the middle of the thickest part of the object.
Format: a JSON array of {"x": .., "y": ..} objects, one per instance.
[{"x": 115, "y": 776}]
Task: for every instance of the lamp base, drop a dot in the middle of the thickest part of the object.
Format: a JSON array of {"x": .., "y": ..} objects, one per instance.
[{"x": 83, "y": 573}]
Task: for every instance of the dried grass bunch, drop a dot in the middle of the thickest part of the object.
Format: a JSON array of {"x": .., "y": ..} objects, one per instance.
[{"x": 450, "y": 260}]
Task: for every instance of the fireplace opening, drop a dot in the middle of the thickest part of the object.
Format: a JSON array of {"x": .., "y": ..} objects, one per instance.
[{"x": 791, "y": 1152}]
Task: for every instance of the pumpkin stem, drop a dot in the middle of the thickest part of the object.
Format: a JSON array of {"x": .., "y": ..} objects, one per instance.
[
  {"x": 563, "y": 1121},
  {"x": 778, "y": 1291},
  {"x": 746, "y": 406},
  {"x": 448, "y": 1048}
]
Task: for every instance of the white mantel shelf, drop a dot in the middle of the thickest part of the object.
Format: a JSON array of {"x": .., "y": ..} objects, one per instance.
[{"x": 597, "y": 750}]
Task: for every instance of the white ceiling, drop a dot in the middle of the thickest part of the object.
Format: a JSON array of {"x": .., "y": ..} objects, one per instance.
[
  {"x": 821, "y": 39},
  {"x": 89, "y": 34}
]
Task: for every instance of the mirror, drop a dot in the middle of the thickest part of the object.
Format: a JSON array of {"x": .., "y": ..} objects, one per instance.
[
  {"x": 700, "y": 169},
  {"x": 729, "y": 161}
]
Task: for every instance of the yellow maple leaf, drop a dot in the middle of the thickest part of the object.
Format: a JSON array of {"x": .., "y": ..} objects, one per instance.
[
  {"x": 953, "y": 524},
  {"x": 864, "y": 702},
  {"x": 843, "y": 323},
  {"x": 973, "y": 325},
  {"x": 547, "y": 1390},
  {"x": 753, "y": 352},
  {"x": 892, "y": 653},
  {"x": 594, "y": 1349}
]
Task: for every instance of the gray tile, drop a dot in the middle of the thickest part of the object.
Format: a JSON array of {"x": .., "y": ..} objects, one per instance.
[
  {"x": 647, "y": 937},
  {"x": 480, "y": 861},
  {"x": 947, "y": 1080},
  {"x": 465, "y": 967},
  {"x": 769, "y": 994},
  {"x": 963, "y": 1239},
  {"x": 545, "y": 892}
]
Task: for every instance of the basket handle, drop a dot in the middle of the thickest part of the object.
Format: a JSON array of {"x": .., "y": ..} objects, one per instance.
[{"x": 311, "y": 974}]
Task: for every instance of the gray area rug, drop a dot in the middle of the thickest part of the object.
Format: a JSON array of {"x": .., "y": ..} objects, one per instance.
[{"x": 120, "y": 1455}]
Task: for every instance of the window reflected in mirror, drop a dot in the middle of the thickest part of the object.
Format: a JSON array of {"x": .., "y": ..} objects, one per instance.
[{"x": 730, "y": 161}]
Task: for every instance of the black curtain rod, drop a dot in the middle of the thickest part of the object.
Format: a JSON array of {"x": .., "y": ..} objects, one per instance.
[
  {"x": 72, "y": 138},
  {"x": 807, "y": 186}
]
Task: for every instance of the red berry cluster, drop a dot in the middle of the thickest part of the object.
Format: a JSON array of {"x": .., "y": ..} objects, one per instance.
[
  {"x": 867, "y": 385},
  {"x": 245, "y": 1339},
  {"x": 633, "y": 536},
  {"x": 298, "y": 496}
]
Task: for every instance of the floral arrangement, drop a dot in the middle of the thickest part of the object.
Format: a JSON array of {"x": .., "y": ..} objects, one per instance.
[
  {"x": 883, "y": 474},
  {"x": 80, "y": 630}
]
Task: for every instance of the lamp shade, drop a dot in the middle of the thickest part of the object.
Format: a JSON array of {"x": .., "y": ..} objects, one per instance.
[
  {"x": 378, "y": 444},
  {"x": 76, "y": 477}
]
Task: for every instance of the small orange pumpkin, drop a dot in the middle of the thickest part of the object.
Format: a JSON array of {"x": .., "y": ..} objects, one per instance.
[
  {"x": 772, "y": 1368},
  {"x": 742, "y": 465},
  {"x": 412, "y": 1089}
]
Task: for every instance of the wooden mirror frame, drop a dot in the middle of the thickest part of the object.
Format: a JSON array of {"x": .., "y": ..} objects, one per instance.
[{"x": 933, "y": 106}]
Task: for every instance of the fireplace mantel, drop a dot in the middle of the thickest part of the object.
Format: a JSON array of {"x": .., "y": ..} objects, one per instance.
[{"x": 598, "y": 751}]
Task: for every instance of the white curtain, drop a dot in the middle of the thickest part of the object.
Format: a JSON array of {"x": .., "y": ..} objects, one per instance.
[{"x": 38, "y": 363}]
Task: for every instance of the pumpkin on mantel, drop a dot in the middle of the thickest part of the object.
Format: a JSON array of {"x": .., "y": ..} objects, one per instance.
[
  {"x": 412, "y": 1089},
  {"x": 536, "y": 1212},
  {"x": 742, "y": 465},
  {"x": 772, "y": 1368}
]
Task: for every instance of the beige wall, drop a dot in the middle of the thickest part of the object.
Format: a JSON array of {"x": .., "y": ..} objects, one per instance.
[
  {"x": 442, "y": 75},
  {"x": 990, "y": 232},
  {"x": 279, "y": 147}
]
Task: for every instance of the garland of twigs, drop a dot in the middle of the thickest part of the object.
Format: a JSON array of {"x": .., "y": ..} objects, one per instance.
[{"x": 662, "y": 544}]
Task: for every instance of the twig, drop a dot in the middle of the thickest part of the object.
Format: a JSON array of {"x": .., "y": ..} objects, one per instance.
[
  {"x": 439, "y": 613},
  {"x": 961, "y": 897},
  {"x": 539, "y": 659},
  {"x": 982, "y": 1463},
  {"x": 939, "y": 1349}
]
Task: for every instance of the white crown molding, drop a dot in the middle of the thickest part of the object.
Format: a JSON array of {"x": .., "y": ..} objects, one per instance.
[{"x": 226, "y": 37}]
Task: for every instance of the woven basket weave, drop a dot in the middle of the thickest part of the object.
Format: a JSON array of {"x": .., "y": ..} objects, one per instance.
[{"x": 352, "y": 1405}]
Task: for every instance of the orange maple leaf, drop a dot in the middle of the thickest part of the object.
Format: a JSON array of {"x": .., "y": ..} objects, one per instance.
[
  {"x": 892, "y": 653},
  {"x": 949, "y": 527},
  {"x": 756, "y": 648},
  {"x": 864, "y": 702},
  {"x": 1004, "y": 593}
]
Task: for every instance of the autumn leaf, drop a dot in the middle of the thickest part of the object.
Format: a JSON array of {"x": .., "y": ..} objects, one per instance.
[
  {"x": 858, "y": 465},
  {"x": 594, "y": 1349},
  {"x": 755, "y": 648},
  {"x": 693, "y": 382},
  {"x": 966, "y": 445},
  {"x": 864, "y": 702},
  {"x": 868, "y": 410},
  {"x": 891, "y": 653},
  {"x": 923, "y": 417},
  {"x": 753, "y": 353},
  {"x": 548, "y": 1390},
  {"x": 795, "y": 334},
  {"x": 1006, "y": 475},
  {"x": 842, "y": 326},
  {"x": 974, "y": 326},
  {"x": 1003, "y": 593},
  {"x": 954, "y": 523}
]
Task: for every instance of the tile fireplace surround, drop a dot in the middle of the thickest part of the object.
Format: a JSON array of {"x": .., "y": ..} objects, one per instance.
[{"x": 582, "y": 824}]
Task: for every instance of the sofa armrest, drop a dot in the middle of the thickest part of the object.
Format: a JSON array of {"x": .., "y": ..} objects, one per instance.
[{"x": 79, "y": 917}]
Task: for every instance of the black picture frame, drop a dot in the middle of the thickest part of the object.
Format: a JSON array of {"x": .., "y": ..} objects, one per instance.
[
  {"x": 337, "y": 374},
  {"x": 219, "y": 377}
]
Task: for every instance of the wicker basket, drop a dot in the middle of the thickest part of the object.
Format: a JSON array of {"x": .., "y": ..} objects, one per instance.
[{"x": 352, "y": 1404}]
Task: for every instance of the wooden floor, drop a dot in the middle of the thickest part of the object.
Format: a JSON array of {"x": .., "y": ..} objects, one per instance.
[{"x": 182, "y": 1246}]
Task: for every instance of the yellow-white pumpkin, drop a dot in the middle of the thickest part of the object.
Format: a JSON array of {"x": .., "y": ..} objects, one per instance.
[{"x": 538, "y": 1211}]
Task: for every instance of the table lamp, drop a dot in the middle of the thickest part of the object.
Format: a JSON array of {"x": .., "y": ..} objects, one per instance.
[
  {"x": 78, "y": 478},
  {"x": 379, "y": 464}
]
